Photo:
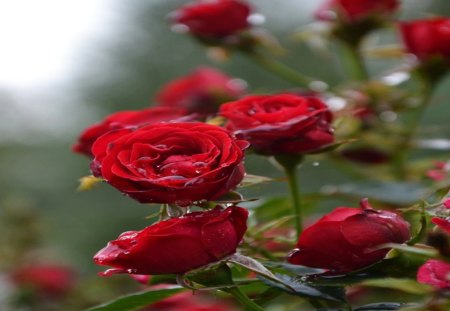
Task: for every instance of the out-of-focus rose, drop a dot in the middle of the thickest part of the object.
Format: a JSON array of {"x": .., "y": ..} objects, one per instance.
[
  {"x": 175, "y": 163},
  {"x": 280, "y": 124},
  {"x": 447, "y": 203},
  {"x": 427, "y": 38},
  {"x": 351, "y": 11},
  {"x": 442, "y": 223},
  {"x": 213, "y": 18},
  {"x": 202, "y": 91},
  {"x": 187, "y": 301},
  {"x": 124, "y": 119},
  {"x": 436, "y": 273},
  {"x": 366, "y": 155},
  {"x": 439, "y": 172},
  {"x": 176, "y": 245},
  {"x": 46, "y": 280},
  {"x": 346, "y": 239}
]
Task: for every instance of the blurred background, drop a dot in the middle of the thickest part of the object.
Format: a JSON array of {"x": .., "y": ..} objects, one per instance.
[{"x": 66, "y": 64}]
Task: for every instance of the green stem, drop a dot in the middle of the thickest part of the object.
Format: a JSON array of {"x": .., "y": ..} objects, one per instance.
[
  {"x": 280, "y": 69},
  {"x": 353, "y": 62},
  {"x": 243, "y": 299},
  {"x": 290, "y": 164},
  {"x": 404, "y": 148},
  {"x": 296, "y": 201}
]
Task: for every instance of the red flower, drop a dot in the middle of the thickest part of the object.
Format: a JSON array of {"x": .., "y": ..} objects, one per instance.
[
  {"x": 344, "y": 240},
  {"x": 436, "y": 273},
  {"x": 442, "y": 223},
  {"x": 447, "y": 203},
  {"x": 176, "y": 245},
  {"x": 213, "y": 18},
  {"x": 201, "y": 91},
  {"x": 124, "y": 119},
  {"x": 47, "y": 280},
  {"x": 188, "y": 301},
  {"x": 427, "y": 38},
  {"x": 280, "y": 124},
  {"x": 352, "y": 11},
  {"x": 176, "y": 163}
]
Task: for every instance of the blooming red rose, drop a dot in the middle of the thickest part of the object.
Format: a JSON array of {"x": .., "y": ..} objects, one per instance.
[
  {"x": 280, "y": 124},
  {"x": 213, "y": 18},
  {"x": 344, "y": 240},
  {"x": 355, "y": 10},
  {"x": 176, "y": 245},
  {"x": 47, "y": 280},
  {"x": 202, "y": 91},
  {"x": 175, "y": 163},
  {"x": 427, "y": 38},
  {"x": 436, "y": 273},
  {"x": 123, "y": 119}
]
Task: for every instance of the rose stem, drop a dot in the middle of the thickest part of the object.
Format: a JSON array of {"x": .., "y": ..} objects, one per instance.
[
  {"x": 401, "y": 155},
  {"x": 280, "y": 69},
  {"x": 290, "y": 163},
  {"x": 353, "y": 62},
  {"x": 243, "y": 299}
]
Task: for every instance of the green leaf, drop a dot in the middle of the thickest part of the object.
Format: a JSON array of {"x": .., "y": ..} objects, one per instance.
[
  {"x": 398, "y": 193},
  {"x": 295, "y": 269},
  {"x": 274, "y": 208},
  {"x": 138, "y": 300},
  {"x": 215, "y": 276},
  {"x": 296, "y": 286},
  {"x": 405, "y": 285},
  {"x": 250, "y": 180}
]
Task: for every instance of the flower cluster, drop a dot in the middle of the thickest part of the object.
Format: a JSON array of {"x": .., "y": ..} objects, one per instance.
[{"x": 187, "y": 153}]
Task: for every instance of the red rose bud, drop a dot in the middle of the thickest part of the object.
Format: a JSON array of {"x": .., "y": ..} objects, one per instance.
[
  {"x": 428, "y": 38},
  {"x": 346, "y": 239},
  {"x": 45, "y": 280},
  {"x": 351, "y": 11},
  {"x": 202, "y": 91},
  {"x": 436, "y": 273},
  {"x": 124, "y": 119},
  {"x": 176, "y": 245},
  {"x": 214, "y": 19},
  {"x": 442, "y": 223},
  {"x": 175, "y": 163},
  {"x": 280, "y": 124}
]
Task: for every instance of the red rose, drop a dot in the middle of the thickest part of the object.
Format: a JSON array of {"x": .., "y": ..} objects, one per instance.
[
  {"x": 47, "y": 280},
  {"x": 176, "y": 245},
  {"x": 201, "y": 91},
  {"x": 442, "y": 223},
  {"x": 427, "y": 38},
  {"x": 343, "y": 240},
  {"x": 175, "y": 163},
  {"x": 188, "y": 301},
  {"x": 355, "y": 10},
  {"x": 280, "y": 124},
  {"x": 213, "y": 18},
  {"x": 436, "y": 273},
  {"x": 123, "y": 119}
]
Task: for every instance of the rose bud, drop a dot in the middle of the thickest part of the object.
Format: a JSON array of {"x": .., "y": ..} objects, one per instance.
[
  {"x": 123, "y": 119},
  {"x": 351, "y": 11},
  {"x": 280, "y": 124},
  {"x": 45, "y": 280},
  {"x": 436, "y": 273},
  {"x": 176, "y": 245},
  {"x": 202, "y": 91},
  {"x": 347, "y": 238},
  {"x": 174, "y": 163},
  {"x": 446, "y": 203},
  {"x": 428, "y": 38},
  {"x": 213, "y": 19}
]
